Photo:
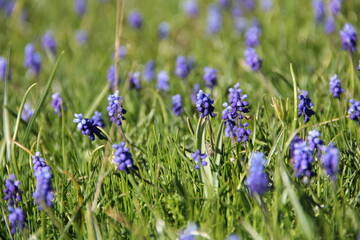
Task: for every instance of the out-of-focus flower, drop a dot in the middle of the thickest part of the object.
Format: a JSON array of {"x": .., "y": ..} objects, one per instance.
[
  {"x": 314, "y": 140},
  {"x": 57, "y": 103},
  {"x": 149, "y": 71},
  {"x": 27, "y": 112},
  {"x": 257, "y": 180},
  {"x": 194, "y": 93},
  {"x": 303, "y": 160},
  {"x": 348, "y": 38},
  {"x": 163, "y": 81},
  {"x": 177, "y": 107},
  {"x": 182, "y": 68},
  {"x": 214, "y": 19},
  {"x": 48, "y": 42},
  {"x": 80, "y": 7},
  {"x": 198, "y": 158},
  {"x": 335, "y": 6},
  {"x": 191, "y": 7},
  {"x": 330, "y": 160},
  {"x": 252, "y": 59},
  {"x": 32, "y": 59},
  {"x": 135, "y": 19},
  {"x": 354, "y": 110},
  {"x": 210, "y": 77},
  {"x": 135, "y": 81},
  {"x": 163, "y": 30},
  {"x": 4, "y": 69},
  {"x": 81, "y": 37},
  {"x": 319, "y": 10}
]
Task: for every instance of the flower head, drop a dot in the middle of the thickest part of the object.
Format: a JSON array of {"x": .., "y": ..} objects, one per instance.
[
  {"x": 330, "y": 160},
  {"x": 87, "y": 127},
  {"x": 135, "y": 81},
  {"x": 189, "y": 232},
  {"x": 163, "y": 81},
  {"x": 12, "y": 191},
  {"x": 32, "y": 59},
  {"x": 319, "y": 10},
  {"x": 214, "y": 19},
  {"x": 210, "y": 77},
  {"x": 335, "y": 6},
  {"x": 305, "y": 106},
  {"x": 27, "y": 112},
  {"x": 177, "y": 107},
  {"x": 98, "y": 120},
  {"x": 354, "y": 110},
  {"x": 204, "y": 104},
  {"x": 123, "y": 158},
  {"x": 198, "y": 157},
  {"x": 48, "y": 42},
  {"x": 252, "y": 59},
  {"x": 314, "y": 140},
  {"x": 17, "y": 219},
  {"x": 80, "y": 7},
  {"x": 149, "y": 70},
  {"x": 57, "y": 103},
  {"x": 252, "y": 36},
  {"x": 163, "y": 30},
  {"x": 115, "y": 109},
  {"x": 335, "y": 86},
  {"x": 191, "y": 7},
  {"x": 257, "y": 180},
  {"x": 303, "y": 160},
  {"x": 348, "y": 38},
  {"x": 330, "y": 25},
  {"x": 135, "y": 19},
  {"x": 182, "y": 68},
  {"x": 81, "y": 37},
  {"x": 4, "y": 69},
  {"x": 111, "y": 76}
]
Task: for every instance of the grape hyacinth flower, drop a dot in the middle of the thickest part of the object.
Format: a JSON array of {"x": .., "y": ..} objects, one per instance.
[
  {"x": 182, "y": 68},
  {"x": 4, "y": 70},
  {"x": 80, "y": 7},
  {"x": 305, "y": 106},
  {"x": 48, "y": 42},
  {"x": 214, "y": 19},
  {"x": 57, "y": 103},
  {"x": 204, "y": 104},
  {"x": 81, "y": 37},
  {"x": 177, "y": 107},
  {"x": 12, "y": 191},
  {"x": 330, "y": 25},
  {"x": 266, "y": 5},
  {"x": 314, "y": 141},
  {"x": 233, "y": 236},
  {"x": 335, "y": 6},
  {"x": 348, "y": 38},
  {"x": 257, "y": 180},
  {"x": 149, "y": 70},
  {"x": 43, "y": 194},
  {"x": 210, "y": 77},
  {"x": 198, "y": 158},
  {"x": 237, "y": 10},
  {"x": 249, "y": 4},
  {"x": 319, "y": 10},
  {"x": 335, "y": 87},
  {"x": 224, "y": 3},
  {"x": 122, "y": 52},
  {"x": 115, "y": 109},
  {"x": 27, "y": 112},
  {"x": 294, "y": 141},
  {"x": 252, "y": 36},
  {"x": 354, "y": 110},
  {"x": 163, "y": 81},
  {"x": 87, "y": 127},
  {"x": 239, "y": 24},
  {"x": 163, "y": 30},
  {"x": 330, "y": 160},
  {"x": 32, "y": 59},
  {"x": 189, "y": 233},
  {"x": 303, "y": 160},
  {"x": 135, "y": 19},
  {"x": 111, "y": 76},
  {"x": 123, "y": 158},
  {"x": 191, "y": 7},
  {"x": 17, "y": 219},
  {"x": 135, "y": 81},
  {"x": 98, "y": 120},
  {"x": 194, "y": 93},
  {"x": 252, "y": 59},
  {"x": 358, "y": 68}
]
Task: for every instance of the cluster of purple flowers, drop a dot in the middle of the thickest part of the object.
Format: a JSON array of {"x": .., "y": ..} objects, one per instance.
[
  {"x": 27, "y": 112},
  {"x": 198, "y": 158},
  {"x": 87, "y": 127},
  {"x": 32, "y": 59},
  {"x": 210, "y": 77},
  {"x": 326, "y": 17},
  {"x": 348, "y": 38},
  {"x": 48, "y": 42},
  {"x": 204, "y": 104},
  {"x": 233, "y": 115},
  {"x": 252, "y": 35},
  {"x": 82, "y": 36},
  {"x": 123, "y": 158},
  {"x": 354, "y": 111},
  {"x": 4, "y": 69},
  {"x": 335, "y": 87},
  {"x": 98, "y": 120},
  {"x": 135, "y": 19},
  {"x": 303, "y": 159},
  {"x": 194, "y": 92},
  {"x": 191, "y": 7},
  {"x": 115, "y": 109},
  {"x": 183, "y": 67},
  {"x": 252, "y": 59},
  {"x": 57, "y": 103},
  {"x": 314, "y": 140},
  {"x": 80, "y": 7},
  {"x": 135, "y": 81},
  {"x": 163, "y": 30},
  {"x": 257, "y": 180},
  {"x": 177, "y": 107},
  {"x": 43, "y": 194},
  {"x": 111, "y": 76},
  {"x": 189, "y": 233},
  {"x": 214, "y": 19},
  {"x": 305, "y": 106},
  {"x": 163, "y": 81},
  {"x": 149, "y": 70}
]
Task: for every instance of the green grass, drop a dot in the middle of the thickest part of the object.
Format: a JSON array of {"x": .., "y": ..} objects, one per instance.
[{"x": 95, "y": 201}]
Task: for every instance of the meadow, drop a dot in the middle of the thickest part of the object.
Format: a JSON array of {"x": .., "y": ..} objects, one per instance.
[{"x": 107, "y": 130}]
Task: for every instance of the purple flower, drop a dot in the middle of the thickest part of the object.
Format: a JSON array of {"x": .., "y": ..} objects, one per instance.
[
  {"x": 87, "y": 127},
  {"x": 182, "y": 68},
  {"x": 123, "y": 158},
  {"x": 27, "y": 112},
  {"x": 191, "y": 8},
  {"x": 252, "y": 59},
  {"x": 257, "y": 180},
  {"x": 295, "y": 140},
  {"x": 330, "y": 160},
  {"x": 194, "y": 93},
  {"x": 266, "y": 5},
  {"x": 319, "y": 10},
  {"x": 204, "y": 104},
  {"x": 249, "y": 4},
  {"x": 81, "y": 37},
  {"x": 198, "y": 157},
  {"x": 115, "y": 109},
  {"x": 122, "y": 52},
  {"x": 358, "y": 68},
  {"x": 303, "y": 160},
  {"x": 305, "y": 106},
  {"x": 80, "y": 7},
  {"x": 252, "y": 36},
  {"x": 354, "y": 110},
  {"x": 48, "y": 42},
  {"x": 149, "y": 71},
  {"x": 17, "y": 219},
  {"x": 38, "y": 162},
  {"x": 177, "y": 107},
  {"x": 329, "y": 25},
  {"x": 335, "y": 87},
  {"x": 348, "y": 38},
  {"x": 111, "y": 76},
  {"x": 32, "y": 59},
  {"x": 189, "y": 232},
  {"x": 242, "y": 134},
  {"x": 210, "y": 77},
  {"x": 12, "y": 191},
  {"x": 163, "y": 81},
  {"x": 237, "y": 10},
  {"x": 214, "y": 19},
  {"x": 57, "y": 103},
  {"x": 135, "y": 81},
  {"x": 4, "y": 70},
  {"x": 98, "y": 120},
  {"x": 163, "y": 30},
  {"x": 335, "y": 6},
  {"x": 314, "y": 141},
  {"x": 239, "y": 24},
  {"x": 135, "y": 19}
]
